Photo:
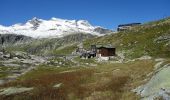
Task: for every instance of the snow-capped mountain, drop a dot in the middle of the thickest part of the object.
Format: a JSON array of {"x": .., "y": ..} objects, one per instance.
[{"x": 55, "y": 27}]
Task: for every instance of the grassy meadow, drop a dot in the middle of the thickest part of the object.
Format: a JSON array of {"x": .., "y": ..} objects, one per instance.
[{"x": 110, "y": 81}]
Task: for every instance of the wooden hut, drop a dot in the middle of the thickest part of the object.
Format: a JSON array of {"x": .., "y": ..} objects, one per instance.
[{"x": 104, "y": 51}]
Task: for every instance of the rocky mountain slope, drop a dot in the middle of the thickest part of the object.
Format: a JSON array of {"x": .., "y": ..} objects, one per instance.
[
  {"x": 44, "y": 46},
  {"x": 55, "y": 27}
]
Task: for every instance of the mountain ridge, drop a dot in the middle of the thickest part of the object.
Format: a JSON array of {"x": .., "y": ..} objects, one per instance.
[{"x": 55, "y": 27}]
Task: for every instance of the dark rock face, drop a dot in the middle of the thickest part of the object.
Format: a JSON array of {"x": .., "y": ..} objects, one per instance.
[
  {"x": 102, "y": 30},
  {"x": 13, "y": 38},
  {"x": 35, "y": 22}
]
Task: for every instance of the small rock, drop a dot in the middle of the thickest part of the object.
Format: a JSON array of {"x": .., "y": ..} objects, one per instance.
[
  {"x": 159, "y": 59},
  {"x": 60, "y": 63},
  {"x": 57, "y": 85},
  {"x": 14, "y": 90},
  {"x": 144, "y": 58},
  {"x": 11, "y": 65},
  {"x": 2, "y": 82}
]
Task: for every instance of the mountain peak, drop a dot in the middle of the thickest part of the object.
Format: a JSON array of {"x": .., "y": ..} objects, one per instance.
[{"x": 35, "y": 20}]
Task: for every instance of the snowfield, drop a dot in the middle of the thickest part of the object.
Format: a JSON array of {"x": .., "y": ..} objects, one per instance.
[{"x": 55, "y": 27}]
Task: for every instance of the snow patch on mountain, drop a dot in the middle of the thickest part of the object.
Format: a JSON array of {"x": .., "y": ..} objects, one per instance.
[{"x": 55, "y": 27}]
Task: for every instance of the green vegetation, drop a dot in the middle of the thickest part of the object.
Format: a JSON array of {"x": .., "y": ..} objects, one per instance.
[
  {"x": 5, "y": 71},
  {"x": 83, "y": 61},
  {"x": 65, "y": 50},
  {"x": 3, "y": 75},
  {"x": 60, "y": 62}
]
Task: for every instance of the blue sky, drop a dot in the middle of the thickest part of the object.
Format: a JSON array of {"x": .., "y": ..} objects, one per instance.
[{"x": 105, "y": 13}]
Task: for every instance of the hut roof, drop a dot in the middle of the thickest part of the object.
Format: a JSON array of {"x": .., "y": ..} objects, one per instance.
[
  {"x": 130, "y": 24},
  {"x": 104, "y": 46}
]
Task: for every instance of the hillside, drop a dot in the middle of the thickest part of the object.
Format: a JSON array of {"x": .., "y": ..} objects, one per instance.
[{"x": 151, "y": 39}]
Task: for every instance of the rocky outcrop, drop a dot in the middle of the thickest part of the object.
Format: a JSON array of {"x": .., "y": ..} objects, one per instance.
[
  {"x": 164, "y": 38},
  {"x": 15, "y": 64},
  {"x": 12, "y": 39},
  {"x": 158, "y": 87},
  {"x": 102, "y": 30}
]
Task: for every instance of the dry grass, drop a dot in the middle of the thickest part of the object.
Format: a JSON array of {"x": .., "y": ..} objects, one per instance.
[
  {"x": 44, "y": 85},
  {"x": 106, "y": 81}
]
